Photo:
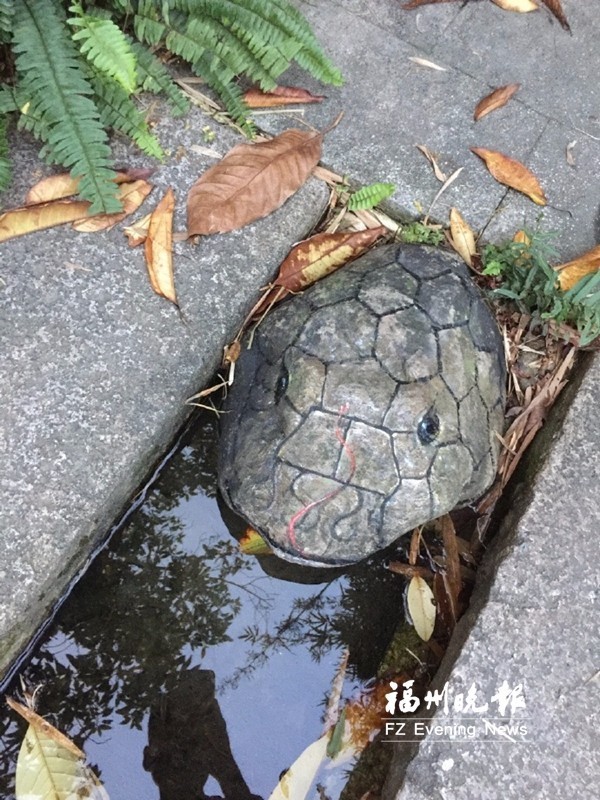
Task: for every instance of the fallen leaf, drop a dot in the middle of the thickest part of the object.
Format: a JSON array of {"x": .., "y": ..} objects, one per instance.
[
  {"x": 280, "y": 96},
  {"x": 443, "y": 188},
  {"x": 463, "y": 238},
  {"x": 201, "y": 150},
  {"x": 569, "y": 153},
  {"x": 131, "y": 195},
  {"x": 453, "y": 583},
  {"x": 496, "y": 99},
  {"x": 431, "y": 158},
  {"x": 512, "y": 173},
  {"x": 136, "y": 234},
  {"x": 423, "y": 62},
  {"x": 556, "y": 8},
  {"x": 57, "y": 187},
  {"x": 521, "y": 237},
  {"x": 27, "y": 219},
  {"x": 417, "y": 3},
  {"x": 50, "y": 766},
  {"x": 312, "y": 259},
  {"x": 296, "y": 781},
  {"x": 253, "y": 544},
  {"x": 158, "y": 248},
  {"x": 421, "y": 607},
  {"x": 571, "y": 272},
  {"x": 522, "y": 6},
  {"x": 251, "y": 182},
  {"x": 332, "y": 712}
]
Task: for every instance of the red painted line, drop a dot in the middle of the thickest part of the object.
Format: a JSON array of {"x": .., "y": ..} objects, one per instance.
[{"x": 303, "y": 511}]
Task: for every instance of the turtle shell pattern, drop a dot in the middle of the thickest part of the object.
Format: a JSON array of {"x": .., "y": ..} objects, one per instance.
[{"x": 366, "y": 406}]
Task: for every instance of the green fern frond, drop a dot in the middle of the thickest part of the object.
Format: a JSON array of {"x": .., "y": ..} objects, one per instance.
[
  {"x": 229, "y": 92},
  {"x": 8, "y": 100},
  {"x": 147, "y": 22},
  {"x": 258, "y": 63},
  {"x": 7, "y": 10},
  {"x": 48, "y": 70},
  {"x": 105, "y": 46},
  {"x": 370, "y": 196},
  {"x": 278, "y": 24},
  {"x": 118, "y": 111},
  {"x": 5, "y": 171},
  {"x": 155, "y": 77}
]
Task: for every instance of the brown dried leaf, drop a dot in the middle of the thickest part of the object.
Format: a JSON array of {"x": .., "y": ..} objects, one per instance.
[
  {"x": 251, "y": 182},
  {"x": 522, "y": 6},
  {"x": 314, "y": 258},
  {"x": 556, "y": 8},
  {"x": 573, "y": 271},
  {"x": 496, "y": 99},
  {"x": 416, "y": 3},
  {"x": 431, "y": 158},
  {"x": 136, "y": 234},
  {"x": 280, "y": 96},
  {"x": 158, "y": 248},
  {"x": 27, "y": 219},
  {"x": 454, "y": 583},
  {"x": 56, "y": 187},
  {"x": 462, "y": 237},
  {"x": 131, "y": 195},
  {"x": 512, "y": 173}
]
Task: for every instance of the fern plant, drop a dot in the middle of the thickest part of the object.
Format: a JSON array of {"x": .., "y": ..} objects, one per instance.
[{"x": 73, "y": 68}]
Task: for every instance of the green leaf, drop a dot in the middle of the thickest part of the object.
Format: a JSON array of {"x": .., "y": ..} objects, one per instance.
[
  {"x": 105, "y": 46},
  {"x": 5, "y": 172},
  {"x": 370, "y": 196},
  {"x": 117, "y": 110},
  {"x": 155, "y": 77},
  {"x": 7, "y": 8},
  {"x": 49, "y": 73}
]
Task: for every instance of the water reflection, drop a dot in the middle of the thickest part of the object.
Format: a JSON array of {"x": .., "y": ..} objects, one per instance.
[{"x": 175, "y": 643}]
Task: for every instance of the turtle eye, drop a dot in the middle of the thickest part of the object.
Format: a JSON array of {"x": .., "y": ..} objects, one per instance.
[
  {"x": 428, "y": 427},
  {"x": 282, "y": 384}
]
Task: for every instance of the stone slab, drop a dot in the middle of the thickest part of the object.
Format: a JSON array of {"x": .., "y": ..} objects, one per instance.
[
  {"x": 534, "y": 621},
  {"x": 96, "y": 368},
  {"x": 391, "y": 104}
]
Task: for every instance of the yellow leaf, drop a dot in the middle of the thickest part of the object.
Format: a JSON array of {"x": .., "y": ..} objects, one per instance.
[
  {"x": 57, "y": 187},
  {"x": 521, "y": 237},
  {"x": 571, "y": 272},
  {"x": 512, "y": 173},
  {"x": 27, "y": 219},
  {"x": 463, "y": 238},
  {"x": 496, "y": 99},
  {"x": 522, "y": 6},
  {"x": 252, "y": 544},
  {"x": 159, "y": 248},
  {"x": 421, "y": 607},
  {"x": 313, "y": 259},
  {"x": 50, "y": 766}
]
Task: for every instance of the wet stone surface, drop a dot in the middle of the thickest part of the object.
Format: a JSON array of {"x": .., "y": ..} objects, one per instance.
[{"x": 366, "y": 415}]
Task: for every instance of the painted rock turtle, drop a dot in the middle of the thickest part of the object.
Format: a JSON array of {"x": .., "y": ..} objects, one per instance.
[{"x": 366, "y": 406}]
